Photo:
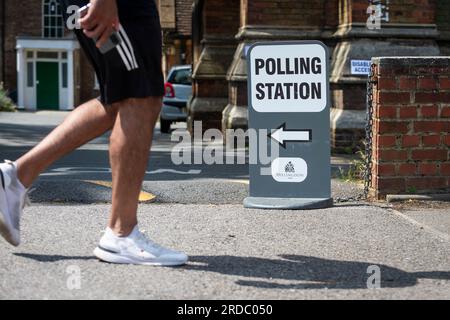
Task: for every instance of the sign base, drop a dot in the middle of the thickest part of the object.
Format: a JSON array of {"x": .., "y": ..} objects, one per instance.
[{"x": 287, "y": 203}]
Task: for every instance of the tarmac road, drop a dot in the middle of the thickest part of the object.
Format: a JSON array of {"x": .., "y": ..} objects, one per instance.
[{"x": 235, "y": 253}]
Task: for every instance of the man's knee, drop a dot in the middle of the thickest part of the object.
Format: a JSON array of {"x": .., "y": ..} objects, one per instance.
[{"x": 126, "y": 143}]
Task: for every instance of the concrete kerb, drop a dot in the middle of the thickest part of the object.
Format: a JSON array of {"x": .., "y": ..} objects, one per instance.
[{"x": 390, "y": 198}]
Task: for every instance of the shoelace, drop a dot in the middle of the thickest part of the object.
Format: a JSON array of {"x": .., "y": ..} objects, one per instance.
[{"x": 142, "y": 238}]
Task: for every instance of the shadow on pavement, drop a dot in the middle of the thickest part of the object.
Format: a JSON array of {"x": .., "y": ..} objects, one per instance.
[
  {"x": 35, "y": 133},
  {"x": 52, "y": 258},
  {"x": 24, "y": 132},
  {"x": 311, "y": 272},
  {"x": 307, "y": 272}
]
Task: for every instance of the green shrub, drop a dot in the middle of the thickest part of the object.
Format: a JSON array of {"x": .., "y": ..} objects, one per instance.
[
  {"x": 6, "y": 103},
  {"x": 357, "y": 168}
]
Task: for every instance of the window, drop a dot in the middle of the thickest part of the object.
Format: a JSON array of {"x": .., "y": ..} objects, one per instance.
[
  {"x": 47, "y": 55},
  {"x": 64, "y": 75},
  {"x": 53, "y": 21},
  {"x": 30, "y": 74},
  {"x": 181, "y": 76}
]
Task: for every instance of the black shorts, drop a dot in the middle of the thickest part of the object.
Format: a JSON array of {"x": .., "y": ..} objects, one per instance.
[{"x": 132, "y": 69}]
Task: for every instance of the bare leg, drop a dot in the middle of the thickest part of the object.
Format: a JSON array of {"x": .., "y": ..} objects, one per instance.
[
  {"x": 85, "y": 123},
  {"x": 129, "y": 151}
]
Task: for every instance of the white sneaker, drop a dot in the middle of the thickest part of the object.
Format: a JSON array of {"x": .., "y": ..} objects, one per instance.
[
  {"x": 136, "y": 249},
  {"x": 13, "y": 197}
]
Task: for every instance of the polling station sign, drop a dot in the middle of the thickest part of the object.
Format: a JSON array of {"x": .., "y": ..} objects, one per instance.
[
  {"x": 292, "y": 82},
  {"x": 289, "y": 98}
]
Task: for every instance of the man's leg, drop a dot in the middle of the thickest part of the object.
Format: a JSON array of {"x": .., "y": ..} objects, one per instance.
[
  {"x": 85, "y": 123},
  {"x": 130, "y": 144}
]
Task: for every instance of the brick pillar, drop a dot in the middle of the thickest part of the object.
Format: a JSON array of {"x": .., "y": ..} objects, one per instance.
[
  {"x": 219, "y": 22},
  {"x": 411, "y": 131},
  {"x": 410, "y": 31},
  {"x": 267, "y": 20}
]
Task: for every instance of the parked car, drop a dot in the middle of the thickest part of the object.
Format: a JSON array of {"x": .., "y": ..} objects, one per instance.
[{"x": 178, "y": 90}]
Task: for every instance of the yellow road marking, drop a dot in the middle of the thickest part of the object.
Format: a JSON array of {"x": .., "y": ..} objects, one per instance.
[
  {"x": 143, "y": 196},
  {"x": 107, "y": 184},
  {"x": 241, "y": 181}
]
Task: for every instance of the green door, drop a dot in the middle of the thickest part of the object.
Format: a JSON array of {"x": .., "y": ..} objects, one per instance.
[{"x": 47, "y": 76}]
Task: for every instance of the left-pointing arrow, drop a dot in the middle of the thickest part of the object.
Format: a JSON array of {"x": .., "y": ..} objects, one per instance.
[{"x": 282, "y": 135}]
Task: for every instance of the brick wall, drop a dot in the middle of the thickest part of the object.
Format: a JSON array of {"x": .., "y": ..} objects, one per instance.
[
  {"x": 18, "y": 23},
  {"x": 283, "y": 12},
  {"x": 166, "y": 10},
  {"x": 400, "y": 11},
  {"x": 412, "y": 11},
  {"x": 183, "y": 11},
  {"x": 331, "y": 14},
  {"x": 411, "y": 131},
  {"x": 220, "y": 21}
]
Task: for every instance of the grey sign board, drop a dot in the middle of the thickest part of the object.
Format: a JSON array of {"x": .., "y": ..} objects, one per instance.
[{"x": 289, "y": 98}]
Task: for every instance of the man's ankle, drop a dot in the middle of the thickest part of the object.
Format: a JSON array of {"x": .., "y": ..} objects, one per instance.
[
  {"x": 22, "y": 176},
  {"x": 121, "y": 230}
]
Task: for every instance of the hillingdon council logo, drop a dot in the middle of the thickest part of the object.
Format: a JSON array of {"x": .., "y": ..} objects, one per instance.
[{"x": 289, "y": 169}]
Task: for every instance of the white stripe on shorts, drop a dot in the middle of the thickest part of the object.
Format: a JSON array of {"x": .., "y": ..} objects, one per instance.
[
  {"x": 124, "y": 58},
  {"x": 124, "y": 36}
]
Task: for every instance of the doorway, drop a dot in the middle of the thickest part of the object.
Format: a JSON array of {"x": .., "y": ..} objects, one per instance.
[{"x": 47, "y": 85}]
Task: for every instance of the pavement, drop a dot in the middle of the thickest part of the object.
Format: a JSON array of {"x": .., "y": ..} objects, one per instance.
[{"x": 353, "y": 250}]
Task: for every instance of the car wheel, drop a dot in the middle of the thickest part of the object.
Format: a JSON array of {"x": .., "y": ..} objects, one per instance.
[{"x": 165, "y": 126}]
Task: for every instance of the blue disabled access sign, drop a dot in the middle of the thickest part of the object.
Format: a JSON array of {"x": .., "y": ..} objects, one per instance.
[{"x": 289, "y": 99}]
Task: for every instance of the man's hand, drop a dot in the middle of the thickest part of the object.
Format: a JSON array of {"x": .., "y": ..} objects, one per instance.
[{"x": 100, "y": 22}]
